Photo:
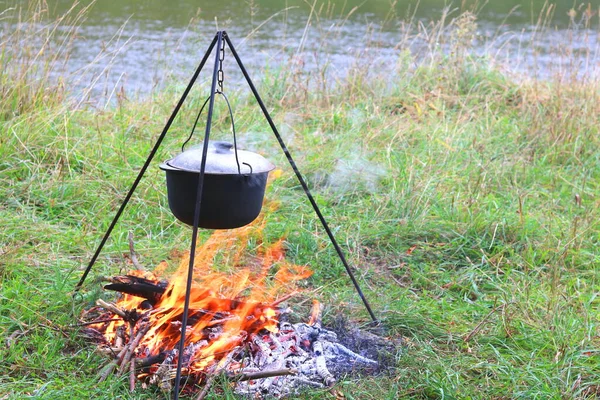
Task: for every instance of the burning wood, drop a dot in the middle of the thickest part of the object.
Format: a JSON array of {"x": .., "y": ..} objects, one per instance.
[{"x": 234, "y": 329}]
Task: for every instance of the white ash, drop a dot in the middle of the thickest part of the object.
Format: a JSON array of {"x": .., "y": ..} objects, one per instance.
[{"x": 312, "y": 351}]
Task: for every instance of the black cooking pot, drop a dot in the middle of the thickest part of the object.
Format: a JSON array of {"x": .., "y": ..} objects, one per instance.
[{"x": 233, "y": 191}]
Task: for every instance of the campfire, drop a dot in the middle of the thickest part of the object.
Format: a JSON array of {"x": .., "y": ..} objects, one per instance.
[{"x": 238, "y": 326}]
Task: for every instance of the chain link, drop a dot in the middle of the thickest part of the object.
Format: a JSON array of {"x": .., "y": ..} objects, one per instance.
[{"x": 220, "y": 74}]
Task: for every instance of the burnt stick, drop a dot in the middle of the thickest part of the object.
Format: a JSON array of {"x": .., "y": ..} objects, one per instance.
[
  {"x": 150, "y": 360},
  {"x": 249, "y": 376},
  {"x": 133, "y": 344},
  {"x": 113, "y": 308}
]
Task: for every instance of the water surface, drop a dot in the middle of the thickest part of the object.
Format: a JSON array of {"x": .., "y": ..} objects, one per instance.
[{"x": 141, "y": 41}]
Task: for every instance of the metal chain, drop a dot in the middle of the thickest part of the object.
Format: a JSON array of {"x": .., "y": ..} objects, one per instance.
[{"x": 220, "y": 74}]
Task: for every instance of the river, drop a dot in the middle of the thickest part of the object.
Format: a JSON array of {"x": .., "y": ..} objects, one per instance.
[{"x": 137, "y": 44}]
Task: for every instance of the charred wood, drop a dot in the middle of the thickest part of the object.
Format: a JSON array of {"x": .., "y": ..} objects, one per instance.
[
  {"x": 189, "y": 351},
  {"x": 132, "y": 345},
  {"x": 120, "y": 336},
  {"x": 132, "y": 375},
  {"x": 139, "y": 287},
  {"x": 99, "y": 321},
  {"x": 218, "y": 368},
  {"x": 109, "y": 351},
  {"x": 94, "y": 335},
  {"x": 162, "y": 375},
  {"x": 321, "y": 366},
  {"x": 145, "y": 362},
  {"x": 128, "y": 316},
  {"x": 250, "y": 376}
]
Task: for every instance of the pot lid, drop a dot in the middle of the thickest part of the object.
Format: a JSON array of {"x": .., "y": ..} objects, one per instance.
[{"x": 220, "y": 159}]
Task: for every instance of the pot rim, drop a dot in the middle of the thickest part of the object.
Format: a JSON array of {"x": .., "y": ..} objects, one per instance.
[{"x": 165, "y": 166}]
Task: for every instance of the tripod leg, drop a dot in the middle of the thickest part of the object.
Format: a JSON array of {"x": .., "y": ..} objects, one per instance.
[
  {"x": 145, "y": 167},
  {"x": 188, "y": 288},
  {"x": 302, "y": 182}
]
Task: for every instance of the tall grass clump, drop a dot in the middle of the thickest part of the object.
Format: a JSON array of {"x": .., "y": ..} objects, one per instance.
[{"x": 34, "y": 54}]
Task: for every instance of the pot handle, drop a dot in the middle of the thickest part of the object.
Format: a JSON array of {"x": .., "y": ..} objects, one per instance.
[
  {"x": 195, "y": 123},
  {"x": 237, "y": 161}
]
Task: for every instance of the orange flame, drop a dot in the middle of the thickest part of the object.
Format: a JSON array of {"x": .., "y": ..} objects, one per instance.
[
  {"x": 315, "y": 314},
  {"x": 225, "y": 307}
]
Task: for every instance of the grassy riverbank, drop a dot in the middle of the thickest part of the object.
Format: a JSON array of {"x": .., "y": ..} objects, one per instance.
[{"x": 466, "y": 200}]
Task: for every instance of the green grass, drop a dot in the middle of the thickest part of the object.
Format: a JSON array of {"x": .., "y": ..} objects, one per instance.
[{"x": 466, "y": 200}]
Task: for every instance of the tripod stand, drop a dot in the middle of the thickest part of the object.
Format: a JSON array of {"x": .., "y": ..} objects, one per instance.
[{"x": 220, "y": 40}]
